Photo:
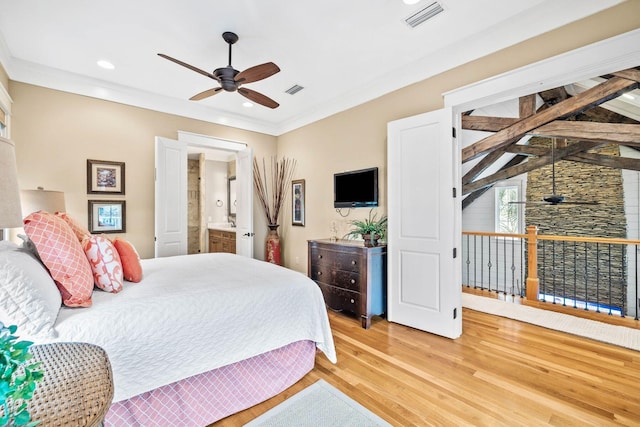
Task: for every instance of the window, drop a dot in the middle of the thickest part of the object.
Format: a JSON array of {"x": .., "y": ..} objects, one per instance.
[{"x": 507, "y": 213}]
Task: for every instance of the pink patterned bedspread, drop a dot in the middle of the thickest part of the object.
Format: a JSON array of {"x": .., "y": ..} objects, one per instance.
[{"x": 205, "y": 398}]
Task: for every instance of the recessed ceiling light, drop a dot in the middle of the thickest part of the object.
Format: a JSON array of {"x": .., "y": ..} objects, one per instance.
[
  {"x": 247, "y": 104},
  {"x": 410, "y": 1},
  {"x": 105, "y": 64}
]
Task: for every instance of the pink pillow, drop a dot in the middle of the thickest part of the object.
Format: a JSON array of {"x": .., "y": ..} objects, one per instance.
[
  {"x": 80, "y": 230},
  {"x": 105, "y": 263},
  {"x": 130, "y": 260},
  {"x": 62, "y": 254}
]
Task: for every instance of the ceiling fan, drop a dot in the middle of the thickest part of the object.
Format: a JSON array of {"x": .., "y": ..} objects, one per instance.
[
  {"x": 556, "y": 199},
  {"x": 231, "y": 79}
]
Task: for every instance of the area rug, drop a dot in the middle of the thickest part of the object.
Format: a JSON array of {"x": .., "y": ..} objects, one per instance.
[
  {"x": 612, "y": 334},
  {"x": 319, "y": 405}
]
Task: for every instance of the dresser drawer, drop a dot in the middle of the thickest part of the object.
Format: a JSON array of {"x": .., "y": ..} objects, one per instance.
[
  {"x": 339, "y": 278},
  {"x": 339, "y": 299},
  {"x": 336, "y": 259}
]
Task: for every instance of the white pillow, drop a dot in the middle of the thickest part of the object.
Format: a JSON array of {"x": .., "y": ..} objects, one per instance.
[{"x": 29, "y": 297}]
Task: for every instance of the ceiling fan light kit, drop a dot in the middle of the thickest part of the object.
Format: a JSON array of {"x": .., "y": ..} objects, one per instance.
[{"x": 231, "y": 80}]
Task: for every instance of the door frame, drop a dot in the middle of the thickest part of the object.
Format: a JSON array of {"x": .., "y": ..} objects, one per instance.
[{"x": 210, "y": 142}]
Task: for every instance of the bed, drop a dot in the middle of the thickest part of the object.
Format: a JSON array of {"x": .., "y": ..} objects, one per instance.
[{"x": 199, "y": 337}]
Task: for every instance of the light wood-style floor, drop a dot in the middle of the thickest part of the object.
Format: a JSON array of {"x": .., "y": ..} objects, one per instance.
[{"x": 501, "y": 372}]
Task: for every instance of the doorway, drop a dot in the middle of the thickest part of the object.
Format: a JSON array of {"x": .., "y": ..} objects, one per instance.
[
  {"x": 171, "y": 211},
  {"x": 208, "y": 197}
]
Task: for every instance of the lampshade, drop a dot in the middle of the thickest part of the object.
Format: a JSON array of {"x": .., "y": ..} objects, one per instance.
[
  {"x": 10, "y": 213},
  {"x": 42, "y": 200}
]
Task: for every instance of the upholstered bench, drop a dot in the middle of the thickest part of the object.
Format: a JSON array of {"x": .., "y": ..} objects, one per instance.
[{"x": 77, "y": 388}]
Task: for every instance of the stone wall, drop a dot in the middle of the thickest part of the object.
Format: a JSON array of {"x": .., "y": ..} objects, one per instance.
[
  {"x": 580, "y": 271},
  {"x": 193, "y": 210}
]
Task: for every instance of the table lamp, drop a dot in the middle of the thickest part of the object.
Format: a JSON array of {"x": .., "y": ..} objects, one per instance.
[{"x": 42, "y": 200}]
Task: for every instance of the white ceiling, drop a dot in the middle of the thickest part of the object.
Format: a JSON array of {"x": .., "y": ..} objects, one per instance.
[{"x": 343, "y": 52}]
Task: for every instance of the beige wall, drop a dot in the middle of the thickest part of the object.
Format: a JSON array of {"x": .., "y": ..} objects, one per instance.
[
  {"x": 56, "y": 132},
  {"x": 357, "y": 138}
]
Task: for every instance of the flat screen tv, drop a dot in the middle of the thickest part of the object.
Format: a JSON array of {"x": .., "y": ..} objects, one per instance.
[{"x": 355, "y": 189}]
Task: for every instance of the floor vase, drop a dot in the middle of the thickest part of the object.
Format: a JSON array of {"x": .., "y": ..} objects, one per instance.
[{"x": 272, "y": 248}]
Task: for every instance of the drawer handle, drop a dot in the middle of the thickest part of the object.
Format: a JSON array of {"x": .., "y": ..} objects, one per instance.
[
  {"x": 319, "y": 256},
  {"x": 319, "y": 273},
  {"x": 352, "y": 300},
  {"x": 353, "y": 281},
  {"x": 353, "y": 262}
]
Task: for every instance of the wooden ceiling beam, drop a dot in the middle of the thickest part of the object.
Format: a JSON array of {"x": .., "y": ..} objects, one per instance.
[
  {"x": 596, "y": 95},
  {"x": 527, "y": 150},
  {"x": 615, "y": 162},
  {"x": 527, "y": 105},
  {"x": 630, "y": 74},
  {"x": 529, "y": 165},
  {"x": 619, "y": 133},
  {"x": 483, "y": 164},
  {"x": 487, "y": 124}
]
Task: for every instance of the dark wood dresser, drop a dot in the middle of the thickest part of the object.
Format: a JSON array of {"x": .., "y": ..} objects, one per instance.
[{"x": 352, "y": 277}]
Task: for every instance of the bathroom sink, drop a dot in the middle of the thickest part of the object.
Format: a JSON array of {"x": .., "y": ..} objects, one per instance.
[{"x": 222, "y": 225}]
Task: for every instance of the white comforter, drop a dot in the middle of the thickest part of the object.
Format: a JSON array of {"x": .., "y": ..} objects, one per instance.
[{"x": 194, "y": 313}]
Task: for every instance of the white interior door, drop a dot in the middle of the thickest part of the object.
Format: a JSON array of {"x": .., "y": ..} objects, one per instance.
[
  {"x": 171, "y": 198},
  {"x": 424, "y": 290},
  {"x": 244, "y": 207}
]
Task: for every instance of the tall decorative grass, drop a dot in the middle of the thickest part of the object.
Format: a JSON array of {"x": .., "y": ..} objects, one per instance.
[{"x": 272, "y": 185}]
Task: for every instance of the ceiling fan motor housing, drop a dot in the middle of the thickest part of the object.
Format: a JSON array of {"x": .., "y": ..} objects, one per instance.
[{"x": 226, "y": 78}]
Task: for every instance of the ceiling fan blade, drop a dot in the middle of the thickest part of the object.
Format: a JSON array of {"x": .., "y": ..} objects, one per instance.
[
  {"x": 256, "y": 73},
  {"x": 258, "y": 97},
  {"x": 205, "y": 94},
  {"x": 191, "y": 67},
  {"x": 580, "y": 203}
]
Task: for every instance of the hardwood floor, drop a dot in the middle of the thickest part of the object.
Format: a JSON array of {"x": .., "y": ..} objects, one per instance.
[{"x": 501, "y": 372}]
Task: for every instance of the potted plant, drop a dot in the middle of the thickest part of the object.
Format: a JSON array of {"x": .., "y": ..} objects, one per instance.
[
  {"x": 18, "y": 378},
  {"x": 371, "y": 229}
]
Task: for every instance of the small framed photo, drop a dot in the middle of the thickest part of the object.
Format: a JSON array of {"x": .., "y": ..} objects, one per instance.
[
  {"x": 297, "y": 202},
  {"x": 107, "y": 216},
  {"x": 105, "y": 177}
]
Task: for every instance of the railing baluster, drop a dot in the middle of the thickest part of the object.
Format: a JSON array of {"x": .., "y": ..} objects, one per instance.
[
  {"x": 610, "y": 272},
  {"x": 513, "y": 268},
  {"x": 597, "y": 277},
  {"x": 575, "y": 275},
  {"x": 468, "y": 263},
  {"x": 482, "y": 261},
  {"x": 475, "y": 264},
  {"x": 544, "y": 270},
  {"x": 586, "y": 276},
  {"x": 637, "y": 297},
  {"x": 489, "y": 263},
  {"x": 623, "y": 281}
]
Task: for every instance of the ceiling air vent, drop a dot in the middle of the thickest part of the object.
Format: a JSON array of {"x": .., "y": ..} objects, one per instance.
[
  {"x": 424, "y": 14},
  {"x": 294, "y": 89}
]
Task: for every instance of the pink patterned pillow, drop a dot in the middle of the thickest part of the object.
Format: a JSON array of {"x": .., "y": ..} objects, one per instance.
[
  {"x": 105, "y": 263},
  {"x": 62, "y": 254},
  {"x": 80, "y": 230}
]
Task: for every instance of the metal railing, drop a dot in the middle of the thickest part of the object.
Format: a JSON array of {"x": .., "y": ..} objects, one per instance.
[{"x": 594, "y": 274}]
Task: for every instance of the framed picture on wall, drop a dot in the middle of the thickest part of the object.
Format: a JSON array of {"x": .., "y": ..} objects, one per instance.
[
  {"x": 105, "y": 177},
  {"x": 107, "y": 216},
  {"x": 297, "y": 202}
]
